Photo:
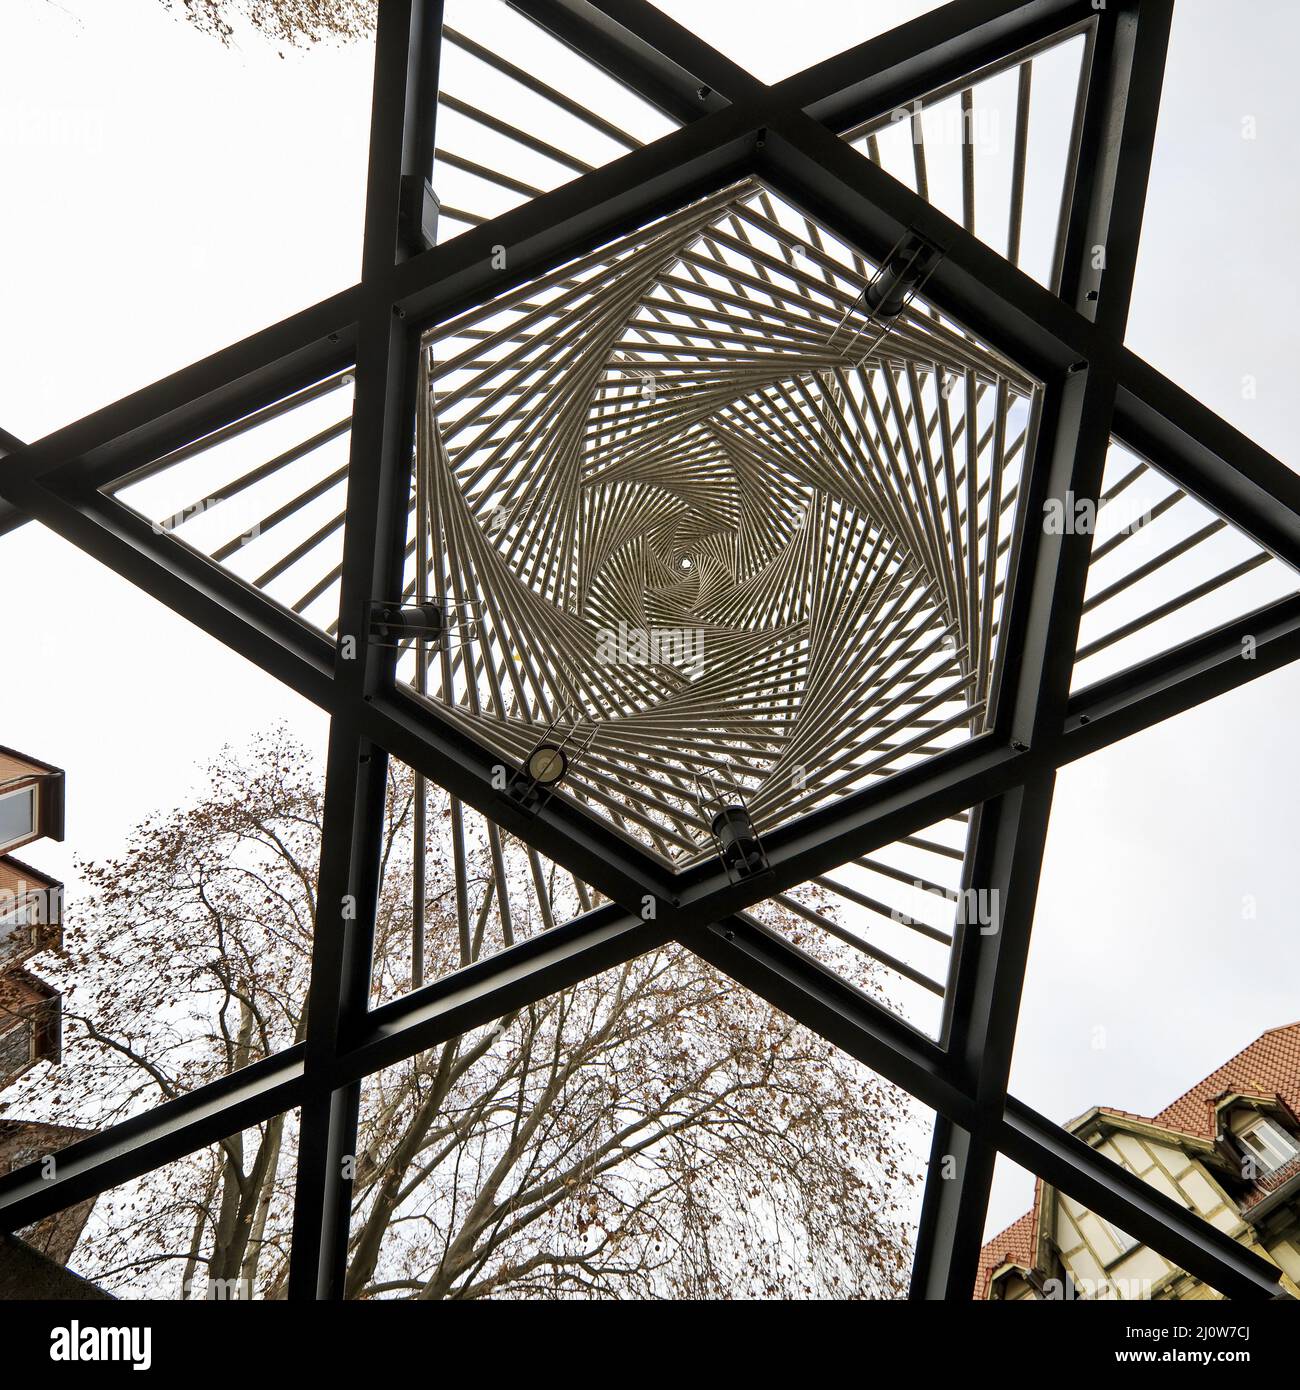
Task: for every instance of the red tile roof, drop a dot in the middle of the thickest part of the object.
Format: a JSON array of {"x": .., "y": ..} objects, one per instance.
[
  {"x": 1270, "y": 1066},
  {"x": 1015, "y": 1245}
]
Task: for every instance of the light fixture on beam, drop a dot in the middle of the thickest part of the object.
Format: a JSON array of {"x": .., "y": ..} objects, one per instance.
[
  {"x": 432, "y": 622},
  {"x": 569, "y": 735},
  {"x": 418, "y": 210},
  {"x": 731, "y": 827},
  {"x": 891, "y": 289},
  {"x": 547, "y": 764},
  {"x": 904, "y": 271}
]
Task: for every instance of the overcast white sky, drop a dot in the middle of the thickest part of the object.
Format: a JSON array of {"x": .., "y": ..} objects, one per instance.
[{"x": 164, "y": 196}]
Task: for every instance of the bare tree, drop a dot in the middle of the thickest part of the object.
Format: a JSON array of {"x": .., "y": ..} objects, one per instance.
[
  {"x": 655, "y": 1131},
  {"x": 294, "y": 22}
]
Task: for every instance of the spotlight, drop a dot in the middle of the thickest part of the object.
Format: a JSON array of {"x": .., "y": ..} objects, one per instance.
[
  {"x": 547, "y": 763},
  {"x": 904, "y": 271},
  {"x": 731, "y": 828},
  {"x": 432, "y": 622},
  {"x": 550, "y": 760},
  {"x": 392, "y": 623},
  {"x": 417, "y": 212},
  {"x": 737, "y": 841}
]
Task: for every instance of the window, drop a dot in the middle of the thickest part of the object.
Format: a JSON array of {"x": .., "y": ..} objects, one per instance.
[
  {"x": 15, "y": 1050},
  {"x": 1267, "y": 1143},
  {"x": 17, "y": 916},
  {"x": 16, "y": 933},
  {"x": 17, "y": 816}
]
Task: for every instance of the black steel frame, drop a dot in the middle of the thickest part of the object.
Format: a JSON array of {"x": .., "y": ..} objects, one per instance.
[{"x": 1094, "y": 389}]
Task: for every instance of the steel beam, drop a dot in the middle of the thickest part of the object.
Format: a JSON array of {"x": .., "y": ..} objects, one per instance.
[
  {"x": 855, "y": 824},
  {"x": 10, "y": 516},
  {"x": 374, "y": 540},
  {"x": 1209, "y": 458},
  {"x": 1038, "y": 635},
  {"x": 610, "y": 201},
  {"x": 799, "y": 985},
  {"x": 159, "y": 1136},
  {"x": 833, "y": 184},
  {"x": 985, "y": 986},
  {"x": 1263, "y": 640},
  {"x": 647, "y": 52},
  {"x": 1124, "y": 80},
  {"x": 490, "y": 988},
  {"x": 930, "y": 52},
  {"x": 187, "y": 582},
  {"x": 199, "y": 398}
]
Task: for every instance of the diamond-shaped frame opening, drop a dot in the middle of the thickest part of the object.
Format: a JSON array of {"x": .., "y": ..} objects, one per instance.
[
  {"x": 263, "y": 497},
  {"x": 997, "y": 150},
  {"x": 890, "y": 921},
  {"x": 1163, "y": 569},
  {"x": 476, "y": 889},
  {"x": 509, "y": 126}
]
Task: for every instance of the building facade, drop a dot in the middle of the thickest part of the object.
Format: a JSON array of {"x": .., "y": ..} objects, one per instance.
[
  {"x": 1228, "y": 1149},
  {"x": 31, "y": 915},
  {"x": 31, "y": 1013}
]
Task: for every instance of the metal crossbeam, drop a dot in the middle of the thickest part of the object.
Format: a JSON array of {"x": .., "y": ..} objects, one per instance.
[
  {"x": 356, "y": 769},
  {"x": 1042, "y": 633}
]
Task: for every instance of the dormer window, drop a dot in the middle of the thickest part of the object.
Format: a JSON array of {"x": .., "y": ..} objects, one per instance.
[{"x": 1267, "y": 1143}]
